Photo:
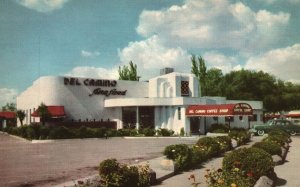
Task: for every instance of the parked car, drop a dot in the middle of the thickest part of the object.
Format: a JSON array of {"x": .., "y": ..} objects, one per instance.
[{"x": 286, "y": 125}]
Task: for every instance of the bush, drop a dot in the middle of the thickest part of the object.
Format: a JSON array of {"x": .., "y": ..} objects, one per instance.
[
  {"x": 210, "y": 145},
  {"x": 23, "y": 131},
  {"x": 278, "y": 136},
  {"x": 199, "y": 155},
  {"x": 61, "y": 133},
  {"x": 249, "y": 160},
  {"x": 44, "y": 132},
  {"x": 218, "y": 128},
  {"x": 165, "y": 132},
  {"x": 182, "y": 133},
  {"x": 224, "y": 142},
  {"x": 84, "y": 132},
  {"x": 113, "y": 173},
  {"x": 270, "y": 147},
  {"x": 100, "y": 132},
  {"x": 180, "y": 154},
  {"x": 148, "y": 131},
  {"x": 241, "y": 136},
  {"x": 279, "y": 132},
  {"x": 127, "y": 132},
  {"x": 111, "y": 133},
  {"x": 31, "y": 133}
]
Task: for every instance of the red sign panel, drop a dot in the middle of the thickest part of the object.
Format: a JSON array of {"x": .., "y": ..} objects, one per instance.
[{"x": 219, "y": 110}]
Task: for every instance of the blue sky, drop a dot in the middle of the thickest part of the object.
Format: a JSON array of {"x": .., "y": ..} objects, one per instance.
[{"x": 92, "y": 38}]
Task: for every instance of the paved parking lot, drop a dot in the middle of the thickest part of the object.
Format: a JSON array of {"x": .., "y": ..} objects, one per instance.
[{"x": 23, "y": 163}]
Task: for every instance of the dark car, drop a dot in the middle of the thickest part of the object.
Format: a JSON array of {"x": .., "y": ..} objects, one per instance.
[{"x": 286, "y": 125}]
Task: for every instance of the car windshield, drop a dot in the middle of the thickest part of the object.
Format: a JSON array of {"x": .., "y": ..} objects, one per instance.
[{"x": 269, "y": 122}]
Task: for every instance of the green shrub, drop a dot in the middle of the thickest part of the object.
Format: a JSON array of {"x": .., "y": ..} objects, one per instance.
[
  {"x": 111, "y": 132},
  {"x": 109, "y": 172},
  {"x": 148, "y": 131},
  {"x": 127, "y": 132},
  {"x": 31, "y": 133},
  {"x": 210, "y": 144},
  {"x": 113, "y": 173},
  {"x": 61, "y": 133},
  {"x": 182, "y": 133},
  {"x": 199, "y": 155},
  {"x": 218, "y": 128},
  {"x": 270, "y": 147},
  {"x": 44, "y": 132},
  {"x": 165, "y": 132},
  {"x": 275, "y": 139},
  {"x": 85, "y": 132},
  {"x": 13, "y": 131},
  {"x": 249, "y": 160},
  {"x": 224, "y": 142},
  {"x": 241, "y": 136},
  {"x": 278, "y": 136},
  {"x": 100, "y": 132},
  {"x": 180, "y": 154},
  {"x": 23, "y": 131}
]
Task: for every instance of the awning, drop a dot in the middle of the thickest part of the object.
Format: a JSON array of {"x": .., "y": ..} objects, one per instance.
[
  {"x": 292, "y": 115},
  {"x": 219, "y": 110},
  {"x": 54, "y": 111},
  {"x": 7, "y": 115}
]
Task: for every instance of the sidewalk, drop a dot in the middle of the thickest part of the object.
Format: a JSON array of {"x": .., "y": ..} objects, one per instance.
[
  {"x": 181, "y": 180},
  {"x": 288, "y": 172}
]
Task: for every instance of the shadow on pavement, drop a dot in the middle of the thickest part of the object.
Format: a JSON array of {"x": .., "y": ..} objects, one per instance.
[{"x": 280, "y": 182}]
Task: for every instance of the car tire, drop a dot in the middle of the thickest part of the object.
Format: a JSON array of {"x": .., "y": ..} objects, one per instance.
[
  {"x": 293, "y": 133},
  {"x": 260, "y": 132}
]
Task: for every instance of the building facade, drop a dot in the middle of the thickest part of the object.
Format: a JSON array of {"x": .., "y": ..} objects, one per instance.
[{"x": 162, "y": 102}]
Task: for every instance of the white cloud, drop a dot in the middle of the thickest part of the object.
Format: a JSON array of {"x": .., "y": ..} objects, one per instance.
[
  {"x": 214, "y": 24},
  {"x": 217, "y": 60},
  {"x": 93, "y": 72},
  {"x": 151, "y": 55},
  {"x": 42, "y": 5},
  {"x": 283, "y": 63},
  {"x": 276, "y": 1},
  {"x": 7, "y": 96},
  {"x": 89, "y": 54}
]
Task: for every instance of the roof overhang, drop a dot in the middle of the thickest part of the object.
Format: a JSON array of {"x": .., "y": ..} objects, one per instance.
[
  {"x": 54, "y": 111},
  {"x": 239, "y": 109},
  {"x": 7, "y": 115}
]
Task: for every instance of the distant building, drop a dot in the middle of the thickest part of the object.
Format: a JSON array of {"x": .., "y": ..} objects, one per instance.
[{"x": 170, "y": 101}]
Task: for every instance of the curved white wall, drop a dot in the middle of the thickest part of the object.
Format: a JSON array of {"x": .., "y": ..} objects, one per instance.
[{"x": 75, "y": 98}]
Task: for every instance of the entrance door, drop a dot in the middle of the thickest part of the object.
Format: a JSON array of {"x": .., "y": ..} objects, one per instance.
[{"x": 195, "y": 125}]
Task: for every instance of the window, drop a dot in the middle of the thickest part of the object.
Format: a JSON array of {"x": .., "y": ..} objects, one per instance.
[
  {"x": 229, "y": 119},
  {"x": 254, "y": 117},
  {"x": 179, "y": 113},
  {"x": 185, "y": 88}
]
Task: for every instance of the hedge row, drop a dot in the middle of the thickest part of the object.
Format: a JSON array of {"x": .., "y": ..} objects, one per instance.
[
  {"x": 243, "y": 167},
  {"x": 186, "y": 157},
  {"x": 37, "y": 131}
]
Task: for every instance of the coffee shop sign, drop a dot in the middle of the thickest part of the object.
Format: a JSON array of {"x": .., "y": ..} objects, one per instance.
[{"x": 97, "y": 83}]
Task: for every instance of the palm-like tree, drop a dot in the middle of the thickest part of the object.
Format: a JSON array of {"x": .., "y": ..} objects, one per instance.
[
  {"x": 21, "y": 115},
  {"x": 43, "y": 113}
]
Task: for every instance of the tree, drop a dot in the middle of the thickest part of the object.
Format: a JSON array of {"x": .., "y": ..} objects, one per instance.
[
  {"x": 128, "y": 72},
  {"x": 43, "y": 113},
  {"x": 214, "y": 78},
  {"x": 21, "y": 115},
  {"x": 199, "y": 70},
  {"x": 9, "y": 107}
]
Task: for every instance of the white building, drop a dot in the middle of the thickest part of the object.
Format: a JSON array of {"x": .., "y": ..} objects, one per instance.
[{"x": 164, "y": 102}]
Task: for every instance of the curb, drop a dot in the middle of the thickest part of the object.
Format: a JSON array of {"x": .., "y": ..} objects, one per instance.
[
  {"x": 161, "y": 137},
  {"x": 17, "y": 137}
]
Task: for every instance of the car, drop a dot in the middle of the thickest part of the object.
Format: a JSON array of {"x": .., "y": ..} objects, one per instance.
[{"x": 286, "y": 125}]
